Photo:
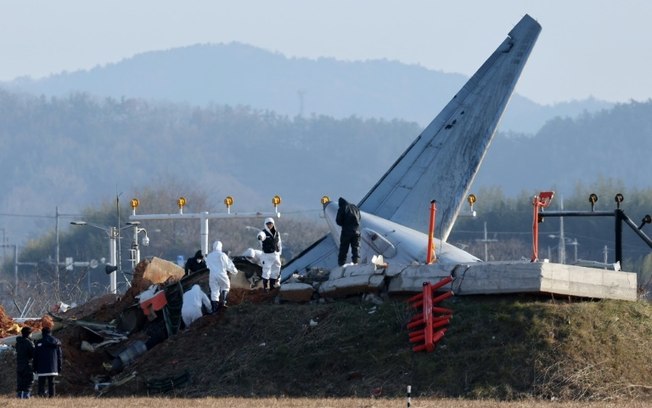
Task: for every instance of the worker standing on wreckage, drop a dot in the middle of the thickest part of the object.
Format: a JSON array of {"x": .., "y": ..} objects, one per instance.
[
  {"x": 348, "y": 217},
  {"x": 219, "y": 265},
  {"x": 270, "y": 240}
]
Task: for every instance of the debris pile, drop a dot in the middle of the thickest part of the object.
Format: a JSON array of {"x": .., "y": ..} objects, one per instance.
[
  {"x": 103, "y": 337},
  {"x": 106, "y": 340},
  {"x": 8, "y": 327}
]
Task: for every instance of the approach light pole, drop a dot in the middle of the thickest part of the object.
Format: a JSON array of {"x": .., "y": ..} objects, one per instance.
[
  {"x": 112, "y": 267},
  {"x": 135, "y": 249},
  {"x": 203, "y": 217}
]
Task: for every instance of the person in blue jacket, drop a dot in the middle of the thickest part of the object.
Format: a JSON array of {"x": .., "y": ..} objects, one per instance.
[{"x": 47, "y": 361}]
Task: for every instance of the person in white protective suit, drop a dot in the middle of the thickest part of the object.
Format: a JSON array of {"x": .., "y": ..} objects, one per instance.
[
  {"x": 220, "y": 265},
  {"x": 253, "y": 256},
  {"x": 193, "y": 300},
  {"x": 270, "y": 240}
]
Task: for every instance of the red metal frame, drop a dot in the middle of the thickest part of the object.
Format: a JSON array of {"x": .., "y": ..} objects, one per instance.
[
  {"x": 433, "y": 326},
  {"x": 431, "y": 256},
  {"x": 541, "y": 201}
]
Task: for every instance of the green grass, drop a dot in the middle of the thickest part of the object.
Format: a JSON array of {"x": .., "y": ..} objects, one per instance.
[{"x": 508, "y": 348}]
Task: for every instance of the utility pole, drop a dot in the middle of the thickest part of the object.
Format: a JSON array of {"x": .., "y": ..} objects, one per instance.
[
  {"x": 56, "y": 250},
  {"x": 113, "y": 233},
  {"x": 486, "y": 241},
  {"x": 113, "y": 258},
  {"x": 118, "y": 237},
  {"x": 562, "y": 238},
  {"x": 574, "y": 244},
  {"x": 549, "y": 254}
]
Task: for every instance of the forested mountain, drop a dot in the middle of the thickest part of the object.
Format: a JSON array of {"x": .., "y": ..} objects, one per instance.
[
  {"x": 78, "y": 150},
  {"x": 237, "y": 74},
  {"x": 73, "y": 151},
  {"x": 611, "y": 144}
]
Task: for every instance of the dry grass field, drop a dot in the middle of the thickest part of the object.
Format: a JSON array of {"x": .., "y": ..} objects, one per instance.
[{"x": 301, "y": 403}]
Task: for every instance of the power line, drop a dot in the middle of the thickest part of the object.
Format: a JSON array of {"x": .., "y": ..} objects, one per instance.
[
  {"x": 26, "y": 215},
  {"x": 493, "y": 232},
  {"x": 38, "y": 215}
]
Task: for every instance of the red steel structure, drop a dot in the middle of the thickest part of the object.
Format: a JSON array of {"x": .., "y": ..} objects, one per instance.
[
  {"x": 431, "y": 255},
  {"x": 541, "y": 201},
  {"x": 429, "y": 325}
]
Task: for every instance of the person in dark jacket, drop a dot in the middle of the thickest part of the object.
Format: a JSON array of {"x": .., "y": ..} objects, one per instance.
[
  {"x": 24, "y": 355},
  {"x": 195, "y": 263},
  {"x": 348, "y": 217},
  {"x": 47, "y": 361}
]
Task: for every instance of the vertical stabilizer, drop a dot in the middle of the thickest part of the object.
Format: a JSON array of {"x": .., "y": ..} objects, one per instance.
[{"x": 442, "y": 161}]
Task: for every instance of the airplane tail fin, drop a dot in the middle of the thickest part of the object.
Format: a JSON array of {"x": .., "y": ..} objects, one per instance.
[{"x": 443, "y": 160}]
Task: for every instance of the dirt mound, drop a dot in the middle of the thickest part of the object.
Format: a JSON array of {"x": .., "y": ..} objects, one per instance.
[
  {"x": 506, "y": 347},
  {"x": 80, "y": 366},
  {"x": 7, "y": 325}
]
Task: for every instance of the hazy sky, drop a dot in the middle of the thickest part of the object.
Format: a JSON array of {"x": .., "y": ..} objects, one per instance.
[{"x": 587, "y": 47}]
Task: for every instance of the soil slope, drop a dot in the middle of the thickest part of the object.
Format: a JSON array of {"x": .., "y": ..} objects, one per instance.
[{"x": 504, "y": 347}]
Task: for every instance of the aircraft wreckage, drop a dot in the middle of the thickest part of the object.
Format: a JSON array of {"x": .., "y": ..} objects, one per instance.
[{"x": 440, "y": 163}]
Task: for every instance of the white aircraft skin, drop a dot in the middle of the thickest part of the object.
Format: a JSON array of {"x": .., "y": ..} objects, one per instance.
[
  {"x": 397, "y": 243},
  {"x": 440, "y": 164}
]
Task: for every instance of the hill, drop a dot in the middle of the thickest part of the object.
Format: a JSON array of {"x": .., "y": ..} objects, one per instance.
[
  {"x": 238, "y": 74},
  {"x": 503, "y": 347},
  {"x": 565, "y": 152},
  {"x": 80, "y": 150}
]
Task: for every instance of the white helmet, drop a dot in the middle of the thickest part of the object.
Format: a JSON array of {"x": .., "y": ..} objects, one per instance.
[{"x": 269, "y": 220}]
